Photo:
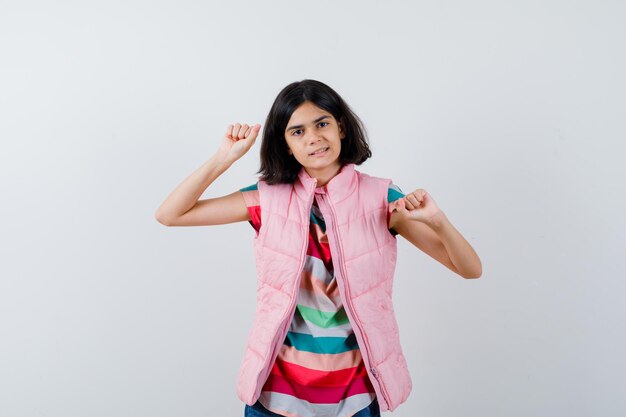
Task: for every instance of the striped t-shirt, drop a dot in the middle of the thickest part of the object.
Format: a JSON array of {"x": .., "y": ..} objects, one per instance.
[{"x": 319, "y": 370}]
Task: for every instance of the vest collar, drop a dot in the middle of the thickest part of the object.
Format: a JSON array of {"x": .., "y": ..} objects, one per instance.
[{"x": 338, "y": 188}]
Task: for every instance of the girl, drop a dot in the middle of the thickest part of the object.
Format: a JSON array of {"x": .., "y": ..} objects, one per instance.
[{"x": 324, "y": 341}]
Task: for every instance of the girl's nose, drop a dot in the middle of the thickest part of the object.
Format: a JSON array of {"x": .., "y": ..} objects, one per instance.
[{"x": 313, "y": 138}]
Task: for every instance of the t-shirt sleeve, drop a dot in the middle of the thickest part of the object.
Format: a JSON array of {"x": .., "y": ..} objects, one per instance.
[
  {"x": 251, "y": 197},
  {"x": 393, "y": 193}
]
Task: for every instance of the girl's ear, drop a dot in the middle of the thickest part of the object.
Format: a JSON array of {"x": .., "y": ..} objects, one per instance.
[{"x": 342, "y": 133}]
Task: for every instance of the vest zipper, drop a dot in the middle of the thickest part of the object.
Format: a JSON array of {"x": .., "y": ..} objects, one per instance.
[
  {"x": 277, "y": 343},
  {"x": 348, "y": 300}
]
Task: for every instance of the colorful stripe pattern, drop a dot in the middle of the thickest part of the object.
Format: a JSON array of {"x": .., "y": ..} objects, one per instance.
[{"x": 319, "y": 370}]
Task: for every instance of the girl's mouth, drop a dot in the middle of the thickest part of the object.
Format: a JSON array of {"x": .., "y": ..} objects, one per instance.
[{"x": 320, "y": 152}]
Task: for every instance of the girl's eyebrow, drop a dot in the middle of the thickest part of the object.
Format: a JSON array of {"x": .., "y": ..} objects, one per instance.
[{"x": 300, "y": 126}]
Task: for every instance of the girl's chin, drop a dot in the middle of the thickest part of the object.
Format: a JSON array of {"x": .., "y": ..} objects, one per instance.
[{"x": 321, "y": 166}]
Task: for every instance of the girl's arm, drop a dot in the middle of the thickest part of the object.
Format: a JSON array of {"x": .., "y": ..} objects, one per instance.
[
  {"x": 182, "y": 208},
  {"x": 418, "y": 219}
]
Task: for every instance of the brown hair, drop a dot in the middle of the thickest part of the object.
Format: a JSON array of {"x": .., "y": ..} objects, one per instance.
[{"x": 277, "y": 165}]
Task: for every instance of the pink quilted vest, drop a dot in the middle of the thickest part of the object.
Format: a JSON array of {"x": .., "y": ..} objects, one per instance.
[{"x": 354, "y": 206}]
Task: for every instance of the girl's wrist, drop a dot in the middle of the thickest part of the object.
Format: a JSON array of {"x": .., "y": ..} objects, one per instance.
[
  {"x": 221, "y": 161},
  {"x": 437, "y": 221}
]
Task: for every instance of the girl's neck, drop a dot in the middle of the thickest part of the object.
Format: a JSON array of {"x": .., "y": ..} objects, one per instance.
[{"x": 323, "y": 176}]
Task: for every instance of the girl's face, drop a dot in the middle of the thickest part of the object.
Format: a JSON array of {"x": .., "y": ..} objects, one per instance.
[{"x": 314, "y": 139}]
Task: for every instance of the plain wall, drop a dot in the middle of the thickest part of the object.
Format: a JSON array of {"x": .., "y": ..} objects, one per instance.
[{"x": 510, "y": 114}]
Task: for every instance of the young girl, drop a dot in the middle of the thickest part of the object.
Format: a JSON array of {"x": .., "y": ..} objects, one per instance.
[{"x": 324, "y": 341}]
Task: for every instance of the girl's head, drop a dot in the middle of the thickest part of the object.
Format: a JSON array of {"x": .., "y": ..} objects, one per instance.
[{"x": 289, "y": 137}]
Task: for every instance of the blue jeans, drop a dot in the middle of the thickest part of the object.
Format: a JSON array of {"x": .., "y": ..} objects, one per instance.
[{"x": 257, "y": 410}]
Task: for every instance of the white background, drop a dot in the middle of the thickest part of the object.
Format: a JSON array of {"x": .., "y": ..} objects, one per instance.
[{"x": 510, "y": 114}]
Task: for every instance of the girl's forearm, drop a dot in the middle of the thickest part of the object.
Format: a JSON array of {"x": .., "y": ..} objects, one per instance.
[
  {"x": 187, "y": 193},
  {"x": 459, "y": 250}
]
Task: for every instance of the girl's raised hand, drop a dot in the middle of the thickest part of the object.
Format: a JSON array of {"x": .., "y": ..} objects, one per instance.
[
  {"x": 417, "y": 205},
  {"x": 237, "y": 140}
]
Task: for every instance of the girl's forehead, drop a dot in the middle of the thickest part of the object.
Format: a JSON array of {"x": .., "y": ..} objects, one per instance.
[{"x": 307, "y": 112}]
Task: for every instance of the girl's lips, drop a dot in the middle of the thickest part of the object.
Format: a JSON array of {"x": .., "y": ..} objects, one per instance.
[{"x": 321, "y": 153}]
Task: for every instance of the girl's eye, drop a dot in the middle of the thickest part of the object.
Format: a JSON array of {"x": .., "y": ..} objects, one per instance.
[{"x": 295, "y": 132}]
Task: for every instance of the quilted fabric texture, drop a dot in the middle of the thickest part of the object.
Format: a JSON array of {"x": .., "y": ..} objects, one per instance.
[{"x": 355, "y": 208}]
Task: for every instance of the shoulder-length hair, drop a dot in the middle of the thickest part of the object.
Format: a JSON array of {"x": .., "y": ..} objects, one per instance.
[{"x": 277, "y": 165}]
